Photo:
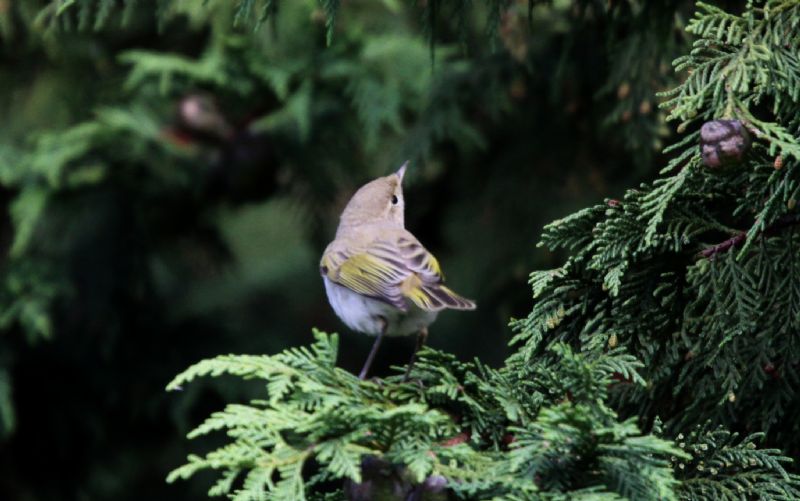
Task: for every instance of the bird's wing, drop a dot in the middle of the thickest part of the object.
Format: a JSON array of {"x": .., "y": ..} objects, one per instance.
[
  {"x": 425, "y": 286},
  {"x": 368, "y": 270},
  {"x": 392, "y": 269}
]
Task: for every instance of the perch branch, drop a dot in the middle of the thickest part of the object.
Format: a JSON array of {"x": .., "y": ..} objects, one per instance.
[{"x": 735, "y": 240}]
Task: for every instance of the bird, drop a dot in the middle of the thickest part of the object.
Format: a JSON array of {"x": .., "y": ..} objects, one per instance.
[{"x": 378, "y": 277}]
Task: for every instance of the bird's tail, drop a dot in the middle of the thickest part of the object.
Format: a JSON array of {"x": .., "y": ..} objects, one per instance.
[{"x": 436, "y": 297}]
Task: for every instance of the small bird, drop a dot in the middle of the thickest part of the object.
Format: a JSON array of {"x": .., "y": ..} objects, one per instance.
[{"x": 379, "y": 279}]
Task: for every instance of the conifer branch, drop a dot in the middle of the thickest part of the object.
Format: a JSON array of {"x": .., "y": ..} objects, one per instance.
[
  {"x": 723, "y": 246},
  {"x": 726, "y": 245}
]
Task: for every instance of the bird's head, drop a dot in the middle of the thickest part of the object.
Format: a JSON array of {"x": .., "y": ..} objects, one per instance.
[{"x": 379, "y": 201}]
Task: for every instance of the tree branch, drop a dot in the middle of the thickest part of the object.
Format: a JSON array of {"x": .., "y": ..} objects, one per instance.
[{"x": 728, "y": 244}]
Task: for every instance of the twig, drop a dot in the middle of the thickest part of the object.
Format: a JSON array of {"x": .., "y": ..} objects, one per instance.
[
  {"x": 723, "y": 246},
  {"x": 458, "y": 439},
  {"x": 726, "y": 245}
]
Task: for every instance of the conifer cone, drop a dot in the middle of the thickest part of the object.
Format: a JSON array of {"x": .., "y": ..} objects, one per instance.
[
  {"x": 383, "y": 481},
  {"x": 723, "y": 142}
]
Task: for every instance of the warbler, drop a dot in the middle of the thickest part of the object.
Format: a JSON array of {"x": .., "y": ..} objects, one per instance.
[{"x": 379, "y": 278}]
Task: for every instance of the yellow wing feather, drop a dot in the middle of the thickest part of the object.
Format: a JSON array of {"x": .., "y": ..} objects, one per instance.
[{"x": 393, "y": 270}]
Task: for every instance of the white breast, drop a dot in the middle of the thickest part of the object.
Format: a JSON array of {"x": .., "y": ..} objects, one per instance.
[{"x": 364, "y": 314}]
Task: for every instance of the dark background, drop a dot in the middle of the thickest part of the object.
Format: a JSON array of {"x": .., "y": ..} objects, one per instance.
[{"x": 136, "y": 240}]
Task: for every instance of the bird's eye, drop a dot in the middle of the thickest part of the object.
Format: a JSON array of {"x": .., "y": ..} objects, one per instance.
[{"x": 394, "y": 199}]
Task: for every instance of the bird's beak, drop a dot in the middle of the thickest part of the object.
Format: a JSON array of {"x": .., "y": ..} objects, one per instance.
[{"x": 402, "y": 170}]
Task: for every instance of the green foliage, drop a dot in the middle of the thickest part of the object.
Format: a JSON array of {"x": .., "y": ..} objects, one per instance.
[
  {"x": 715, "y": 331},
  {"x": 313, "y": 410},
  {"x": 7, "y": 416},
  {"x": 539, "y": 430},
  {"x": 741, "y": 62},
  {"x": 669, "y": 332},
  {"x": 135, "y": 243},
  {"x": 451, "y": 419},
  {"x": 725, "y": 467}
]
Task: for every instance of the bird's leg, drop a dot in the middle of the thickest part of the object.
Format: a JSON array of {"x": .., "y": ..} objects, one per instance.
[
  {"x": 422, "y": 336},
  {"x": 363, "y": 374}
]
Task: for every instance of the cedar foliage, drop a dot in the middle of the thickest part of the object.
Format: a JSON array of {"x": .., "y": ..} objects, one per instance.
[
  {"x": 132, "y": 246},
  {"x": 658, "y": 362}
]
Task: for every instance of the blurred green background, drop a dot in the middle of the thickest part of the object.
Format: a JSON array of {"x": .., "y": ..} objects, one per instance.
[{"x": 171, "y": 171}]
